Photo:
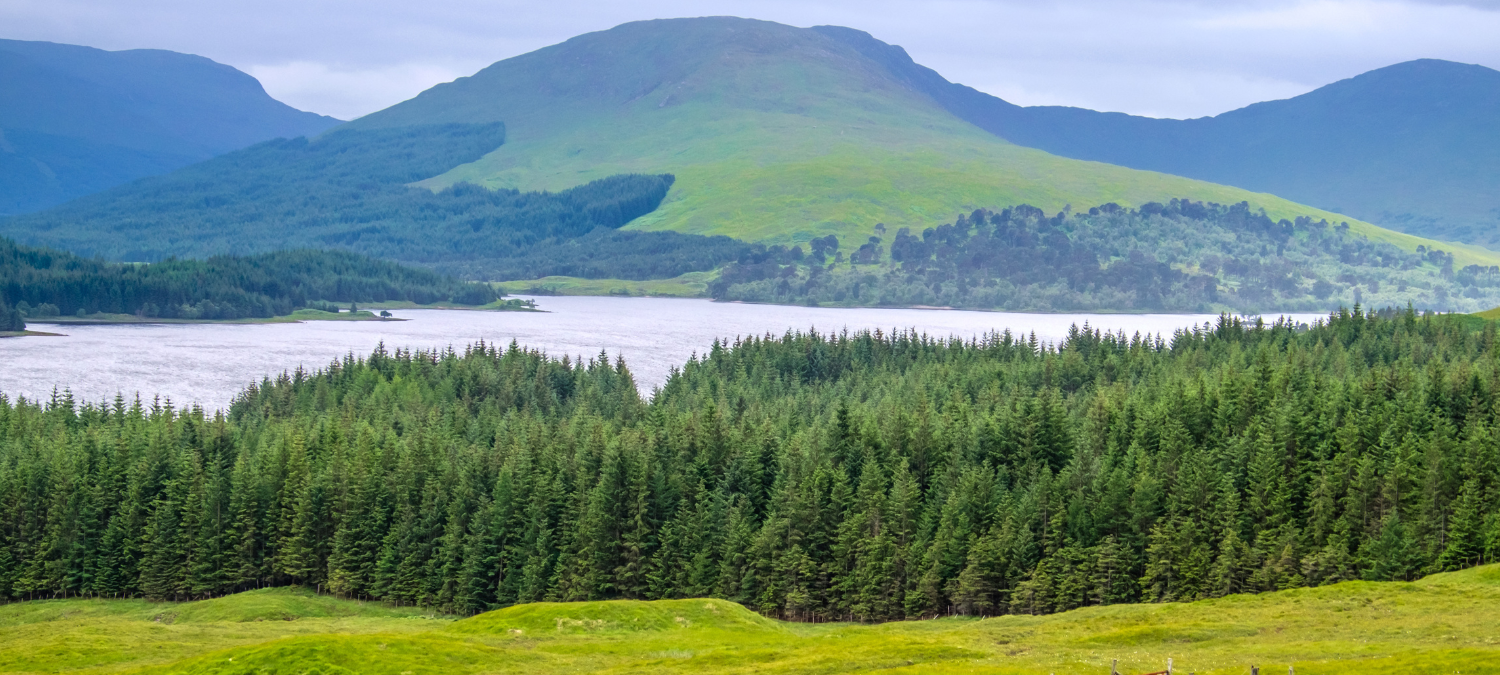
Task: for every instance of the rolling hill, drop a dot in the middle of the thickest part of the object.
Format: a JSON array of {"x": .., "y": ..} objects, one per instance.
[
  {"x": 775, "y": 134},
  {"x": 1437, "y": 624},
  {"x": 76, "y": 120},
  {"x": 1414, "y": 146}
]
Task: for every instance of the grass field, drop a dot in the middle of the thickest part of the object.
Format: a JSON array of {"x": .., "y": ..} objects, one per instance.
[{"x": 1442, "y": 624}]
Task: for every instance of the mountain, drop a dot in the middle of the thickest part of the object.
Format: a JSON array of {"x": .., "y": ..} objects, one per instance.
[
  {"x": 775, "y": 134},
  {"x": 758, "y": 131},
  {"x": 76, "y": 120},
  {"x": 1414, "y": 146},
  {"x": 349, "y": 189}
]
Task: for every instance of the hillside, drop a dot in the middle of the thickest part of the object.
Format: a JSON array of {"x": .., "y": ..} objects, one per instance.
[
  {"x": 1181, "y": 256},
  {"x": 1413, "y": 146},
  {"x": 77, "y": 120},
  {"x": 347, "y": 189},
  {"x": 775, "y": 134},
  {"x": 1438, "y": 624}
]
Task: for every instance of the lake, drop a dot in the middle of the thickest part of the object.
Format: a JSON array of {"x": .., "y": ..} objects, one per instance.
[{"x": 209, "y": 363}]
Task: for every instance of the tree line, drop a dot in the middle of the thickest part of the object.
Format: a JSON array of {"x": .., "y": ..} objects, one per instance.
[
  {"x": 1182, "y": 256},
  {"x": 352, "y": 190},
  {"x": 862, "y": 476},
  {"x": 38, "y": 283}
]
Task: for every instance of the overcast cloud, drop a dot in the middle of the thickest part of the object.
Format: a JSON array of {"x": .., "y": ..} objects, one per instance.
[{"x": 1164, "y": 58}]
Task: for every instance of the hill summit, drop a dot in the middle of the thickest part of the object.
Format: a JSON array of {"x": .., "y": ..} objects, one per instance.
[{"x": 775, "y": 134}]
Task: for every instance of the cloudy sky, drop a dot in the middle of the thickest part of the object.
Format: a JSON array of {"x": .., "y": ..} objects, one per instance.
[{"x": 1164, "y": 58}]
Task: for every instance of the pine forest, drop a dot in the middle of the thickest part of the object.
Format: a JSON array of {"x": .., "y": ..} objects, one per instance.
[{"x": 865, "y": 476}]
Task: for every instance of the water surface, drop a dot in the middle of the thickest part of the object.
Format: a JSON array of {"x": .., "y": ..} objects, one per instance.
[{"x": 208, "y": 363}]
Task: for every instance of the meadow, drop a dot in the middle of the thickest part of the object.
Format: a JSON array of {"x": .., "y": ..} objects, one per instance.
[{"x": 1442, "y": 623}]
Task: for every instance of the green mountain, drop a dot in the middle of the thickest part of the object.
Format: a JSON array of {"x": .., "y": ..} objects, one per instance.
[
  {"x": 1414, "y": 146},
  {"x": 76, "y": 120},
  {"x": 348, "y": 189},
  {"x": 775, "y": 134}
]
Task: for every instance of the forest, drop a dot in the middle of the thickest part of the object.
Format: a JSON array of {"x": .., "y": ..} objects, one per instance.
[
  {"x": 608, "y": 254},
  {"x": 351, "y": 190},
  {"x": 38, "y": 283},
  {"x": 1182, "y": 256},
  {"x": 864, "y": 476}
]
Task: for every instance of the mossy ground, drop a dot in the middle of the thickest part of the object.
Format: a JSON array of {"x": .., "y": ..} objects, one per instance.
[{"x": 1445, "y": 623}]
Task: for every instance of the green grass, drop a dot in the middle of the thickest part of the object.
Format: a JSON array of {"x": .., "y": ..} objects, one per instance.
[
  {"x": 690, "y": 285},
  {"x": 1444, "y": 623},
  {"x": 776, "y": 134}
]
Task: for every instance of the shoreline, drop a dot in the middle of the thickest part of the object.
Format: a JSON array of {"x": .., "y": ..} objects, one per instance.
[{"x": 299, "y": 316}]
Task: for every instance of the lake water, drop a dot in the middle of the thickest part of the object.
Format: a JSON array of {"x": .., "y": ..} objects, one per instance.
[{"x": 208, "y": 363}]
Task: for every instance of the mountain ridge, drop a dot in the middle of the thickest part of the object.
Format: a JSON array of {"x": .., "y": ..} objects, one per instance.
[
  {"x": 1412, "y": 145},
  {"x": 776, "y": 134},
  {"x": 82, "y": 119}
]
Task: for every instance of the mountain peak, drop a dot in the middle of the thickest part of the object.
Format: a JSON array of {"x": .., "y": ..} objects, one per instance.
[{"x": 1412, "y": 88}]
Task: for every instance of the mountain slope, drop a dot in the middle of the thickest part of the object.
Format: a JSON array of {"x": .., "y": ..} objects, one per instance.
[
  {"x": 774, "y": 133},
  {"x": 76, "y": 120},
  {"x": 1414, "y": 146}
]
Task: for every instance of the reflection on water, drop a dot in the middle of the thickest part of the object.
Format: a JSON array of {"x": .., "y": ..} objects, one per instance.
[{"x": 208, "y": 363}]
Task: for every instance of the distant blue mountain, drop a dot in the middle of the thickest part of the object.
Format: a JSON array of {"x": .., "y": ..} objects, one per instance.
[
  {"x": 76, "y": 120},
  {"x": 1413, "y": 147}
]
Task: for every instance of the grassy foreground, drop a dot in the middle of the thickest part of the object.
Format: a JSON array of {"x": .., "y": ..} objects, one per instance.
[{"x": 1444, "y": 623}]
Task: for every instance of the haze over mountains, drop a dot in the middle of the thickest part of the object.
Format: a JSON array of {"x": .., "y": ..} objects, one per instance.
[
  {"x": 77, "y": 120},
  {"x": 1414, "y": 146}
]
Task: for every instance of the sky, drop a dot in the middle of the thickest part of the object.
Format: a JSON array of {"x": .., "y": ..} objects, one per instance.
[{"x": 1162, "y": 58}]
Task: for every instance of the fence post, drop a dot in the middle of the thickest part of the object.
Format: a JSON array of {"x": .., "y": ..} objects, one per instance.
[
  {"x": 1112, "y": 667},
  {"x": 1169, "y": 666}
]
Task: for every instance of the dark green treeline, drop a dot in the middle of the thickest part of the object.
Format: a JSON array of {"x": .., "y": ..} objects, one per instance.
[
  {"x": 41, "y": 282},
  {"x": 857, "y": 476}
]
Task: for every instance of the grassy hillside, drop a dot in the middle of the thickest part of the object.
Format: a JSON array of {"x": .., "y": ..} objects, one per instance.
[
  {"x": 775, "y": 134},
  {"x": 1440, "y": 624}
]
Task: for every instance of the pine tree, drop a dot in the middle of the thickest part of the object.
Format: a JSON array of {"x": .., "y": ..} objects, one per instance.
[{"x": 1466, "y": 544}]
